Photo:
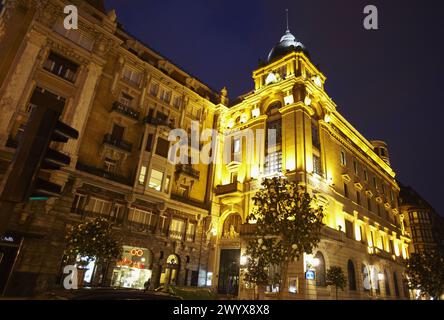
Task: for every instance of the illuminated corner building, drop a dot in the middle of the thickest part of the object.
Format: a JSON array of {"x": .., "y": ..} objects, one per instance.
[
  {"x": 422, "y": 222},
  {"x": 316, "y": 147},
  {"x": 123, "y": 98}
]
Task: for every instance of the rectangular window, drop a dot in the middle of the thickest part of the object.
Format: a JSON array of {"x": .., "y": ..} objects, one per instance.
[
  {"x": 345, "y": 190},
  {"x": 154, "y": 89},
  {"x": 149, "y": 143},
  {"x": 365, "y": 175},
  {"x": 142, "y": 175},
  {"x": 358, "y": 197},
  {"x": 177, "y": 102},
  {"x": 141, "y": 216},
  {"x": 369, "y": 204},
  {"x": 132, "y": 76},
  {"x": 273, "y": 163},
  {"x": 349, "y": 229},
  {"x": 99, "y": 206},
  {"x": 191, "y": 229},
  {"x": 355, "y": 167},
  {"x": 317, "y": 167},
  {"x": 162, "y": 147},
  {"x": 343, "y": 158},
  {"x": 110, "y": 165},
  {"x": 315, "y": 135},
  {"x": 236, "y": 145},
  {"x": 375, "y": 183},
  {"x": 167, "y": 184},
  {"x": 126, "y": 99},
  {"x": 383, "y": 188},
  {"x": 76, "y": 36},
  {"x": 61, "y": 67},
  {"x": 79, "y": 203},
  {"x": 118, "y": 132},
  {"x": 177, "y": 229},
  {"x": 156, "y": 180},
  {"x": 165, "y": 95}
]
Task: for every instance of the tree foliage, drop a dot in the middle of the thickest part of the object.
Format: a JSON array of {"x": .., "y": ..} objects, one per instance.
[
  {"x": 425, "y": 272},
  {"x": 288, "y": 225},
  {"x": 92, "y": 240},
  {"x": 336, "y": 277}
]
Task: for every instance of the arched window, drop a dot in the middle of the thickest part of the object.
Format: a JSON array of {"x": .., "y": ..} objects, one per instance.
[
  {"x": 320, "y": 270},
  {"x": 395, "y": 282},
  {"x": 351, "y": 275},
  {"x": 387, "y": 284},
  {"x": 231, "y": 226},
  {"x": 366, "y": 284}
]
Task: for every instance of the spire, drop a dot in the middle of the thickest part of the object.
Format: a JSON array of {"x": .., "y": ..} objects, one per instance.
[{"x": 286, "y": 11}]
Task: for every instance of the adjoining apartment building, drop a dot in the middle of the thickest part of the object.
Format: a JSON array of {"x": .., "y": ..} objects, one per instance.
[
  {"x": 186, "y": 224},
  {"x": 422, "y": 222}
]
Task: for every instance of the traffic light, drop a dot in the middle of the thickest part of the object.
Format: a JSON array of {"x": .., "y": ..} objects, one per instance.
[{"x": 34, "y": 158}]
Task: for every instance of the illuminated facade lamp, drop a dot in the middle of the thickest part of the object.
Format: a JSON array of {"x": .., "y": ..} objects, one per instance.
[
  {"x": 256, "y": 112},
  {"x": 243, "y": 118},
  {"x": 307, "y": 100},
  {"x": 214, "y": 231},
  {"x": 230, "y": 124},
  {"x": 243, "y": 260},
  {"x": 315, "y": 262},
  {"x": 380, "y": 276}
]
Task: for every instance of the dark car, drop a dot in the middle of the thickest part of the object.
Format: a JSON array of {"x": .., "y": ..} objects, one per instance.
[{"x": 107, "y": 294}]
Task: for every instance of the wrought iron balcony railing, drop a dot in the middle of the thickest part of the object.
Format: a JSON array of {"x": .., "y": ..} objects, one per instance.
[
  {"x": 126, "y": 110},
  {"x": 104, "y": 174},
  {"x": 118, "y": 143},
  {"x": 229, "y": 188},
  {"x": 158, "y": 122},
  {"x": 188, "y": 170}
]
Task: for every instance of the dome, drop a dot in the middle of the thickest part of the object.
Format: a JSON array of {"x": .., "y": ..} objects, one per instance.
[{"x": 287, "y": 44}]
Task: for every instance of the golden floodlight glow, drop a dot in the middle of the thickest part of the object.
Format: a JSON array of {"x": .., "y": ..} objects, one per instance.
[
  {"x": 256, "y": 112},
  {"x": 288, "y": 100},
  {"x": 307, "y": 101}
]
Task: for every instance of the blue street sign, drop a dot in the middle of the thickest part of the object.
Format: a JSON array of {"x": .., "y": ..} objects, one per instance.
[{"x": 310, "y": 275}]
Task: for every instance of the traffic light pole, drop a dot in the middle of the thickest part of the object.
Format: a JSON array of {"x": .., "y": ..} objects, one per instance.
[{"x": 34, "y": 154}]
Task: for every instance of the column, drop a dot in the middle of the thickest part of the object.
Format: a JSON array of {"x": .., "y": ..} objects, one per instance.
[
  {"x": 78, "y": 115},
  {"x": 15, "y": 83}
]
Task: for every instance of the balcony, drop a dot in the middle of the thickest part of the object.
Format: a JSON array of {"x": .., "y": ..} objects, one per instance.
[
  {"x": 158, "y": 122},
  {"x": 118, "y": 143},
  {"x": 141, "y": 227},
  {"x": 103, "y": 174},
  {"x": 188, "y": 170},
  {"x": 332, "y": 234},
  {"x": 189, "y": 201},
  {"x": 126, "y": 110},
  {"x": 229, "y": 188},
  {"x": 118, "y": 220},
  {"x": 176, "y": 235}
]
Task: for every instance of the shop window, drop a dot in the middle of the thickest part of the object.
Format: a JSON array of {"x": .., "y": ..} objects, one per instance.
[
  {"x": 134, "y": 270},
  {"x": 387, "y": 284}
]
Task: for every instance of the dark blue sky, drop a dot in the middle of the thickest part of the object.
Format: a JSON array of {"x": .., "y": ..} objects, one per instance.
[{"x": 387, "y": 83}]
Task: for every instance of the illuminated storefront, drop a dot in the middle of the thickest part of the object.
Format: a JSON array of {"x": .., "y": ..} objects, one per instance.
[{"x": 134, "y": 269}]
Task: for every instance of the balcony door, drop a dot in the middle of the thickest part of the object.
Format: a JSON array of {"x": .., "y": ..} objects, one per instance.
[{"x": 117, "y": 133}]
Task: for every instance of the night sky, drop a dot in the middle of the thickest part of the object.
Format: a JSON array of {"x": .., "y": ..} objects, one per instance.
[{"x": 387, "y": 82}]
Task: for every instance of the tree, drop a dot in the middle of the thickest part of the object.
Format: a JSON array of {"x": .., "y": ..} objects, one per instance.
[
  {"x": 288, "y": 225},
  {"x": 92, "y": 240},
  {"x": 336, "y": 277},
  {"x": 425, "y": 272}
]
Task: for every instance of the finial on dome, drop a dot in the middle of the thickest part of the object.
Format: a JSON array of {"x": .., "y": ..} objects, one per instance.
[{"x": 286, "y": 12}]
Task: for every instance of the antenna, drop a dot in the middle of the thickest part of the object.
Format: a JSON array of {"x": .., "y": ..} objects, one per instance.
[{"x": 286, "y": 12}]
